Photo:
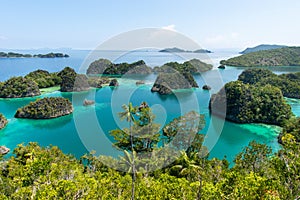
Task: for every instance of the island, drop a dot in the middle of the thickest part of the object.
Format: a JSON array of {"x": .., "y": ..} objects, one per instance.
[
  {"x": 4, "y": 150},
  {"x": 178, "y": 50},
  {"x": 3, "y": 121},
  {"x": 46, "y": 108},
  {"x": 72, "y": 82},
  {"x": 193, "y": 66},
  {"x": 261, "y": 48},
  {"x": 98, "y": 82},
  {"x": 44, "y": 79},
  {"x": 19, "y": 55},
  {"x": 18, "y": 87},
  {"x": 289, "y": 84},
  {"x": 245, "y": 103},
  {"x": 106, "y": 67},
  {"x": 287, "y": 56}
]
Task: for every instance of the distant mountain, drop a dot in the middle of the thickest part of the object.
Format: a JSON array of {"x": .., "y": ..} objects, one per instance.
[
  {"x": 261, "y": 48},
  {"x": 19, "y": 55},
  {"x": 287, "y": 56},
  {"x": 177, "y": 50}
]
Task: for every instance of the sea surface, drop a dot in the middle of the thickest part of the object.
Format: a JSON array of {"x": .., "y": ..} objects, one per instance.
[{"x": 88, "y": 127}]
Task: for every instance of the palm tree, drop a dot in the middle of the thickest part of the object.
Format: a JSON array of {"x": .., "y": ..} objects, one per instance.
[{"x": 128, "y": 115}]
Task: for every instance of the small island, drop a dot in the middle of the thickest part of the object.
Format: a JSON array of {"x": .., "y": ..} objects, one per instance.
[
  {"x": 287, "y": 56},
  {"x": 178, "y": 50},
  {"x": 72, "y": 82},
  {"x": 19, "y": 55},
  {"x": 261, "y": 47},
  {"x": 18, "y": 87},
  {"x": 44, "y": 79},
  {"x": 46, "y": 108},
  {"x": 106, "y": 67},
  {"x": 3, "y": 121},
  {"x": 245, "y": 103}
]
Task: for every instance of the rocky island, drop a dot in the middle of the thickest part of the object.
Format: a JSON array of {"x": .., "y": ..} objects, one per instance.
[
  {"x": 106, "y": 67},
  {"x": 3, "y": 121},
  {"x": 287, "y": 56},
  {"x": 72, "y": 82},
  {"x": 46, "y": 108},
  {"x": 245, "y": 103},
  {"x": 18, "y": 87},
  {"x": 43, "y": 78}
]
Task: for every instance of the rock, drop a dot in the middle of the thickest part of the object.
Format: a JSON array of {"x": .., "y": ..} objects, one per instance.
[
  {"x": 3, "y": 121},
  {"x": 143, "y": 105},
  {"x": 4, "y": 150},
  {"x": 72, "y": 82},
  {"x": 206, "y": 87},
  {"x": 88, "y": 102},
  {"x": 46, "y": 108},
  {"x": 114, "y": 82},
  {"x": 140, "y": 82},
  {"x": 221, "y": 67}
]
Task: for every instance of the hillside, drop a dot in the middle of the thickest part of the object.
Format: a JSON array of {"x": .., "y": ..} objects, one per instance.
[
  {"x": 288, "y": 56},
  {"x": 261, "y": 47}
]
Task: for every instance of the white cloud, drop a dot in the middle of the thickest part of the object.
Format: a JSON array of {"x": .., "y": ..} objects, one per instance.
[{"x": 170, "y": 27}]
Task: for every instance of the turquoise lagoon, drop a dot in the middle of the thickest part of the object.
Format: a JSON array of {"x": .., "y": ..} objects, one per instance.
[{"x": 77, "y": 133}]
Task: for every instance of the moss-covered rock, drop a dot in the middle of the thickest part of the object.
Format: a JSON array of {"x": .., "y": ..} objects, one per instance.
[
  {"x": 3, "y": 121},
  {"x": 17, "y": 87},
  {"x": 104, "y": 66},
  {"x": 46, "y": 108},
  {"x": 72, "y": 82},
  {"x": 246, "y": 103}
]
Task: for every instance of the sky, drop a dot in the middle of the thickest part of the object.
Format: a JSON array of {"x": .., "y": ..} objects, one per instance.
[{"x": 213, "y": 24}]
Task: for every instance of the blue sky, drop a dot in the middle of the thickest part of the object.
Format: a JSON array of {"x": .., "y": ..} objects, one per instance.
[{"x": 86, "y": 24}]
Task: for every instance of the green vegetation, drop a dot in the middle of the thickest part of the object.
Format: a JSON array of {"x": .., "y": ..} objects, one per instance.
[
  {"x": 17, "y": 87},
  {"x": 251, "y": 104},
  {"x": 288, "y": 56},
  {"x": 46, "y": 108},
  {"x": 72, "y": 82},
  {"x": 258, "y": 173},
  {"x": 104, "y": 66},
  {"x": 44, "y": 79},
  {"x": 18, "y": 55},
  {"x": 289, "y": 84},
  {"x": 262, "y": 47},
  {"x": 177, "y": 50},
  {"x": 3, "y": 121}
]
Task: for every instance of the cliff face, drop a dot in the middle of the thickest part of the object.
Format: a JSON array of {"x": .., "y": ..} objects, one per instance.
[
  {"x": 72, "y": 82},
  {"x": 3, "y": 121},
  {"x": 244, "y": 103},
  {"x": 18, "y": 87},
  {"x": 46, "y": 108}
]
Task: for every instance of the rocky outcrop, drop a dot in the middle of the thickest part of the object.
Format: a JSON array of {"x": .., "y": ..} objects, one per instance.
[
  {"x": 221, "y": 67},
  {"x": 114, "y": 83},
  {"x": 140, "y": 82},
  {"x": 18, "y": 87},
  {"x": 72, "y": 82},
  {"x": 4, "y": 150},
  {"x": 166, "y": 82},
  {"x": 104, "y": 66},
  {"x": 46, "y": 108},
  {"x": 3, "y": 121},
  {"x": 97, "y": 82},
  {"x": 206, "y": 87},
  {"x": 87, "y": 102}
]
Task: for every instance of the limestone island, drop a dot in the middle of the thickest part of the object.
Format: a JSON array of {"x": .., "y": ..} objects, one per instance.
[
  {"x": 44, "y": 79},
  {"x": 18, "y": 87},
  {"x": 3, "y": 121},
  {"x": 46, "y": 108},
  {"x": 72, "y": 82},
  {"x": 19, "y": 55},
  {"x": 245, "y": 103},
  {"x": 106, "y": 67},
  {"x": 178, "y": 50},
  {"x": 287, "y": 56}
]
